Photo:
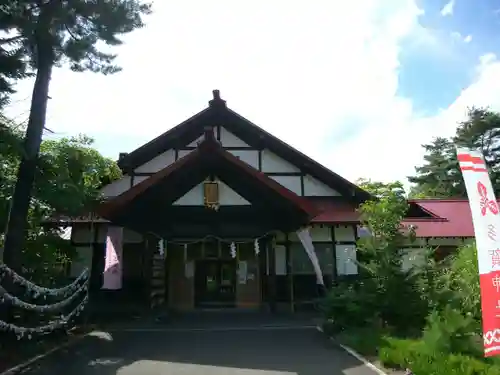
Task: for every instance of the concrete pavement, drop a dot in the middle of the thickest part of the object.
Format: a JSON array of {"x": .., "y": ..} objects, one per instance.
[{"x": 259, "y": 350}]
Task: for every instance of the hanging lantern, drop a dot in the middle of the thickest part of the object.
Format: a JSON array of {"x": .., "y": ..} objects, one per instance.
[
  {"x": 161, "y": 247},
  {"x": 233, "y": 250},
  {"x": 211, "y": 194}
]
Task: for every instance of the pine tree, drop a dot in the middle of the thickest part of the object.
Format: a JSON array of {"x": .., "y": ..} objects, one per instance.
[
  {"x": 51, "y": 33},
  {"x": 13, "y": 66},
  {"x": 440, "y": 176},
  {"x": 482, "y": 132}
]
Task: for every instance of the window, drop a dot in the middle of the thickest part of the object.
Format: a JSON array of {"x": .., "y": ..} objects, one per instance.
[
  {"x": 325, "y": 255},
  {"x": 301, "y": 264},
  {"x": 346, "y": 257}
]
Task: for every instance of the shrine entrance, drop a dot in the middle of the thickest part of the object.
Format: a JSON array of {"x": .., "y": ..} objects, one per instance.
[{"x": 215, "y": 283}]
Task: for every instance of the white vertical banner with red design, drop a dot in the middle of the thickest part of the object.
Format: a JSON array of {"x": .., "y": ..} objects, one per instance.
[
  {"x": 112, "y": 277},
  {"x": 486, "y": 220}
]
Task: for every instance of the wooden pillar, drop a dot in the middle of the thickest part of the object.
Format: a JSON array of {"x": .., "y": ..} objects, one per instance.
[
  {"x": 334, "y": 255},
  {"x": 157, "y": 294},
  {"x": 167, "y": 273},
  {"x": 271, "y": 278},
  {"x": 289, "y": 271},
  {"x": 262, "y": 259}
]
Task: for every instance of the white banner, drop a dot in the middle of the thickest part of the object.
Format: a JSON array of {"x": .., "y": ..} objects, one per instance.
[
  {"x": 486, "y": 220},
  {"x": 112, "y": 277},
  {"x": 306, "y": 240}
]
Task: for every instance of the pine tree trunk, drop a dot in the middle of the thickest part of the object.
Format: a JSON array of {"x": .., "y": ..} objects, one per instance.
[{"x": 16, "y": 223}]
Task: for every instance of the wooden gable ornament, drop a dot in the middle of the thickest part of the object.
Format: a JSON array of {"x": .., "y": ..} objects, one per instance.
[{"x": 211, "y": 195}]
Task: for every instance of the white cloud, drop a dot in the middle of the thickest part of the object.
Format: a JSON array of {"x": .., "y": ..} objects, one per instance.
[
  {"x": 458, "y": 36},
  {"x": 390, "y": 150},
  {"x": 448, "y": 8},
  {"x": 301, "y": 72}
]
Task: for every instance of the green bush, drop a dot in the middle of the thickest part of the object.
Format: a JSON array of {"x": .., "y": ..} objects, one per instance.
[
  {"x": 350, "y": 304},
  {"x": 459, "y": 283},
  {"x": 417, "y": 356},
  {"x": 365, "y": 340},
  {"x": 450, "y": 331}
]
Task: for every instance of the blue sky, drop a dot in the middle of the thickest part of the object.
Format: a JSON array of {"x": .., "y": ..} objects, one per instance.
[
  {"x": 434, "y": 78},
  {"x": 358, "y": 86}
]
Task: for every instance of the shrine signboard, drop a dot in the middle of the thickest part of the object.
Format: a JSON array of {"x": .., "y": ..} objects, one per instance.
[{"x": 486, "y": 220}]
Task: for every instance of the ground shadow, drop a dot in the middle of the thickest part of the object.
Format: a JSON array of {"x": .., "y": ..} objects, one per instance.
[{"x": 292, "y": 350}]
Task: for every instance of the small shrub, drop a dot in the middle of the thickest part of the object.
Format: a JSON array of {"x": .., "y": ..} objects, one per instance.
[
  {"x": 348, "y": 305},
  {"x": 449, "y": 331},
  {"x": 366, "y": 341},
  {"x": 422, "y": 360}
]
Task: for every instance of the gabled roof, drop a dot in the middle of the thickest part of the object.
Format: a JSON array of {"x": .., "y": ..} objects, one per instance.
[
  {"x": 336, "y": 211},
  {"x": 455, "y": 218},
  {"x": 218, "y": 113},
  {"x": 209, "y": 152}
]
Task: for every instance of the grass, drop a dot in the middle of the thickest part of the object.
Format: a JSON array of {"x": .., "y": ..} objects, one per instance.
[
  {"x": 365, "y": 341},
  {"x": 401, "y": 353}
]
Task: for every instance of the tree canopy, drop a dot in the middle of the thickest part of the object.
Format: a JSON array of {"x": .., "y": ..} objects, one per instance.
[
  {"x": 440, "y": 176},
  {"x": 69, "y": 176},
  {"x": 41, "y": 35}
]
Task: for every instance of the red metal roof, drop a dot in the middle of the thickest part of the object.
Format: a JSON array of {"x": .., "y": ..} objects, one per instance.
[
  {"x": 452, "y": 216},
  {"x": 335, "y": 212},
  {"x": 455, "y": 214}
]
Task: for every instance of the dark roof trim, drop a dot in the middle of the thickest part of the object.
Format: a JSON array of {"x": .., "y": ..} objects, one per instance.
[
  {"x": 218, "y": 113},
  {"x": 208, "y": 147}
]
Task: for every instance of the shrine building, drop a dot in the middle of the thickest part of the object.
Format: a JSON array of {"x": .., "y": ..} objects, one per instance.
[{"x": 210, "y": 211}]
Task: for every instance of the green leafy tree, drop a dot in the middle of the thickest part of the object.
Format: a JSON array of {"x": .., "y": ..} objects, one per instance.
[
  {"x": 440, "y": 176},
  {"x": 454, "y": 325},
  {"x": 56, "y": 33},
  {"x": 392, "y": 190},
  {"x": 377, "y": 296},
  {"x": 69, "y": 176}
]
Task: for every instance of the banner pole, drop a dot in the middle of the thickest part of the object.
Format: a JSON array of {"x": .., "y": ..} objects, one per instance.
[{"x": 486, "y": 221}]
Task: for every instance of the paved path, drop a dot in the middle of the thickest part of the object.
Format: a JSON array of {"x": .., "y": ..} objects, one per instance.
[{"x": 299, "y": 350}]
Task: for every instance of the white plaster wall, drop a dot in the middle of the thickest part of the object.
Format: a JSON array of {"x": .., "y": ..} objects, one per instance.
[
  {"x": 228, "y": 139},
  {"x": 274, "y": 164},
  {"x": 344, "y": 233},
  {"x": 250, "y": 157},
  {"x": 292, "y": 183},
  {"x": 227, "y": 197},
  {"x": 313, "y": 187},
  {"x": 201, "y": 138},
  {"x": 193, "y": 197},
  {"x": 158, "y": 163},
  {"x": 116, "y": 188},
  {"x": 139, "y": 179},
  {"x": 318, "y": 234},
  {"x": 183, "y": 153}
]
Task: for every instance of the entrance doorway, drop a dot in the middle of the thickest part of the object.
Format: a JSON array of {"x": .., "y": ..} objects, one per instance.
[{"x": 215, "y": 283}]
